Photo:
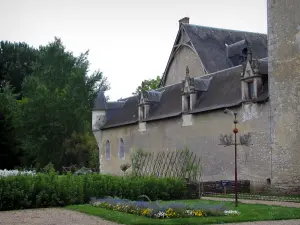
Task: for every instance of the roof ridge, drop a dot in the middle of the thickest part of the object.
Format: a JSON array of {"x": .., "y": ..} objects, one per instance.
[{"x": 226, "y": 29}]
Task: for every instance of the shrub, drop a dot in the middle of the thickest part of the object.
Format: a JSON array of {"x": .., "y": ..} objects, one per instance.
[{"x": 45, "y": 190}]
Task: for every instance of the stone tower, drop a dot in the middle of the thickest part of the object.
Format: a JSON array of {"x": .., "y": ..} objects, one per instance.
[{"x": 284, "y": 91}]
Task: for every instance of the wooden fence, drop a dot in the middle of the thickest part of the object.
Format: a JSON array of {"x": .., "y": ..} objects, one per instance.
[{"x": 178, "y": 164}]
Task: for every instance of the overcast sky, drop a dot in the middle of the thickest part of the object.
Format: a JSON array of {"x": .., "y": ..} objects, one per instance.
[{"x": 129, "y": 41}]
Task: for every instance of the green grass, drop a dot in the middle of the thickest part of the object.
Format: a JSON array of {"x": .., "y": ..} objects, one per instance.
[
  {"x": 249, "y": 212},
  {"x": 259, "y": 197}
]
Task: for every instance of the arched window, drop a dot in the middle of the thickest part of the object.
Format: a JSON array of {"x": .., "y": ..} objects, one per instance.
[
  {"x": 122, "y": 150},
  {"x": 107, "y": 150}
]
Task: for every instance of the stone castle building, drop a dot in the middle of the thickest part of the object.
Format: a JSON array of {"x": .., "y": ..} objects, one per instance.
[{"x": 210, "y": 69}]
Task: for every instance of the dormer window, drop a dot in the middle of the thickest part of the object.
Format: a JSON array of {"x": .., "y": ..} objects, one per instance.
[
  {"x": 147, "y": 99},
  {"x": 251, "y": 93},
  {"x": 251, "y": 79}
]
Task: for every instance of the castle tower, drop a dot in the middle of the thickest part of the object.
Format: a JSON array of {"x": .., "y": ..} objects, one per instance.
[{"x": 284, "y": 91}]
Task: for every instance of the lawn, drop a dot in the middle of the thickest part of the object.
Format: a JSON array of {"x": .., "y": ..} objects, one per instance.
[
  {"x": 259, "y": 197},
  {"x": 249, "y": 212}
]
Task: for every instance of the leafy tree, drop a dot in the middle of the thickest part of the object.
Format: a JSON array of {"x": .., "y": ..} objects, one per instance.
[
  {"x": 58, "y": 97},
  {"x": 10, "y": 151},
  {"x": 150, "y": 84},
  {"x": 81, "y": 150},
  {"x": 16, "y": 62}
]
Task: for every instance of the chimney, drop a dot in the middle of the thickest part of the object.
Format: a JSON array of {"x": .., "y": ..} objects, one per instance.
[{"x": 185, "y": 20}]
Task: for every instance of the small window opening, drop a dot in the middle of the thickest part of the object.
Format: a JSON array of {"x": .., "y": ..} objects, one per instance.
[
  {"x": 107, "y": 150},
  {"x": 251, "y": 90}
]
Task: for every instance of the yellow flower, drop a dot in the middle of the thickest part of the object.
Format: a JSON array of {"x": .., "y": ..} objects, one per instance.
[
  {"x": 170, "y": 213},
  {"x": 198, "y": 213},
  {"x": 146, "y": 212}
]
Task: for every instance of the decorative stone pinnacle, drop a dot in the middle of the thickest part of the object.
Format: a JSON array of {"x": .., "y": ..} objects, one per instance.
[{"x": 187, "y": 71}]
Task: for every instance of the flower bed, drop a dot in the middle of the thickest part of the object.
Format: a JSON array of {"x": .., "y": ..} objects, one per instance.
[{"x": 160, "y": 211}]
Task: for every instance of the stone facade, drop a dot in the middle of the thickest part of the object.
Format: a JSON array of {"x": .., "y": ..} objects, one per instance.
[
  {"x": 209, "y": 70},
  {"x": 284, "y": 80},
  {"x": 201, "y": 137}
]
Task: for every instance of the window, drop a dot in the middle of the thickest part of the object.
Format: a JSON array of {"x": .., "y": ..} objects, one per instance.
[
  {"x": 188, "y": 103},
  {"x": 122, "y": 151},
  {"x": 251, "y": 90},
  {"x": 107, "y": 150}
]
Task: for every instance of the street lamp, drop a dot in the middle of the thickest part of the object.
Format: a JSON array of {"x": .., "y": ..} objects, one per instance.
[{"x": 235, "y": 131}]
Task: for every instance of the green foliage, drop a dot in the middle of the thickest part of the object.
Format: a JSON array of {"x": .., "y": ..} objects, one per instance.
[
  {"x": 16, "y": 62},
  {"x": 50, "y": 99},
  {"x": 10, "y": 151},
  {"x": 81, "y": 150},
  {"x": 125, "y": 167},
  {"x": 59, "y": 97},
  {"x": 44, "y": 190},
  {"x": 147, "y": 85}
]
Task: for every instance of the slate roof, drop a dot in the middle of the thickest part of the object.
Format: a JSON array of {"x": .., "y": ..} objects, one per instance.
[
  {"x": 221, "y": 49},
  {"x": 212, "y": 44},
  {"x": 100, "y": 101},
  {"x": 222, "y": 52},
  {"x": 223, "y": 90},
  {"x": 127, "y": 114}
]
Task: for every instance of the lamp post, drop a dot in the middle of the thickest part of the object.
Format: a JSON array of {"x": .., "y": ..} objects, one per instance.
[{"x": 235, "y": 131}]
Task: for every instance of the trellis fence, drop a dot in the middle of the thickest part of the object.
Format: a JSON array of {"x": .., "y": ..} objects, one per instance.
[{"x": 178, "y": 164}]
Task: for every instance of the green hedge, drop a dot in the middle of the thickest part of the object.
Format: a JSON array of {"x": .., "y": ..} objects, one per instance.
[{"x": 44, "y": 190}]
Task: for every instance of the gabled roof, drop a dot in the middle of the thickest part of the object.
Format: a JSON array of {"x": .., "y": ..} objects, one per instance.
[
  {"x": 220, "y": 49},
  {"x": 222, "y": 89}
]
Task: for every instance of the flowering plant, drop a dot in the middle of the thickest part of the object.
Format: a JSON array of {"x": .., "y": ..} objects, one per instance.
[
  {"x": 6, "y": 173},
  {"x": 161, "y": 211}
]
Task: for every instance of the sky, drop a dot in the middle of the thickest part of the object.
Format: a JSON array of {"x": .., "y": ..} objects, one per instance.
[{"x": 129, "y": 41}]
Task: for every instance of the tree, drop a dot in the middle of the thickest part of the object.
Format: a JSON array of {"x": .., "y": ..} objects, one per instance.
[
  {"x": 10, "y": 151},
  {"x": 150, "y": 84},
  {"x": 81, "y": 150},
  {"x": 58, "y": 98},
  {"x": 16, "y": 62}
]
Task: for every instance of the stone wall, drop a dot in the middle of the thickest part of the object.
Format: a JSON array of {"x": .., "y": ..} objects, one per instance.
[
  {"x": 184, "y": 57},
  {"x": 202, "y": 137},
  {"x": 284, "y": 86}
]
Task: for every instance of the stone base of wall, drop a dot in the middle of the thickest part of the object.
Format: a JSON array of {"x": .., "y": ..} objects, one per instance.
[{"x": 264, "y": 187}]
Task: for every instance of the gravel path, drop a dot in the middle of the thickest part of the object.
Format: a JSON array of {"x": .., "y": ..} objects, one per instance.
[
  {"x": 288, "y": 204},
  {"x": 51, "y": 216},
  {"x": 56, "y": 216}
]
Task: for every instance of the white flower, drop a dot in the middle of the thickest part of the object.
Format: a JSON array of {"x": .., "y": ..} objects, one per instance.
[
  {"x": 6, "y": 173},
  {"x": 231, "y": 212},
  {"x": 189, "y": 212},
  {"x": 160, "y": 214}
]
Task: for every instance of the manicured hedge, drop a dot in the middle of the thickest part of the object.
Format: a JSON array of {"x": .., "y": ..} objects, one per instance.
[{"x": 44, "y": 190}]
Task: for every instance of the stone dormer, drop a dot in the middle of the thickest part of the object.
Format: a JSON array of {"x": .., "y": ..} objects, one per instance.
[
  {"x": 191, "y": 88},
  {"x": 251, "y": 78},
  {"x": 188, "y": 93},
  {"x": 146, "y": 100}
]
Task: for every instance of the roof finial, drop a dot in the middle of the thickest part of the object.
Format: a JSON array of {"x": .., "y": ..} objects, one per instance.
[{"x": 187, "y": 71}]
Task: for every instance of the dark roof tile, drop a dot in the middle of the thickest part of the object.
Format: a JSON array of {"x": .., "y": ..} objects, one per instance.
[
  {"x": 210, "y": 44},
  {"x": 127, "y": 114},
  {"x": 224, "y": 91},
  {"x": 100, "y": 101}
]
